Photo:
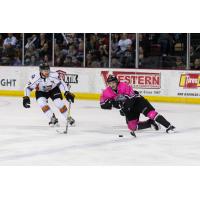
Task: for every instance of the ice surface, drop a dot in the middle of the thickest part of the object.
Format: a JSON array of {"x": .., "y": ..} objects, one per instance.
[{"x": 26, "y": 139}]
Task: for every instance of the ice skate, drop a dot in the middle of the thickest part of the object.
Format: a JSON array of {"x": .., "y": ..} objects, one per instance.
[
  {"x": 71, "y": 121},
  {"x": 133, "y": 133},
  {"x": 54, "y": 121},
  {"x": 171, "y": 129}
]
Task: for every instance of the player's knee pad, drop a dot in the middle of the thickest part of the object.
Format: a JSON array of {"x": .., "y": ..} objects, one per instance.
[
  {"x": 63, "y": 109},
  {"x": 45, "y": 108},
  {"x": 152, "y": 114}
]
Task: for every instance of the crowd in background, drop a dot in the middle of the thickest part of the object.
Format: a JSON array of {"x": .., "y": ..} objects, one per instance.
[
  {"x": 163, "y": 50},
  {"x": 69, "y": 49},
  {"x": 100, "y": 50},
  {"x": 97, "y": 49},
  {"x": 38, "y": 48}
]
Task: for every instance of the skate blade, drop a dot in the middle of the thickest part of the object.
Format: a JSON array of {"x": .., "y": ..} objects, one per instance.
[
  {"x": 61, "y": 132},
  {"x": 172, "y": 131},
  {"x": 54, "y": 125}
]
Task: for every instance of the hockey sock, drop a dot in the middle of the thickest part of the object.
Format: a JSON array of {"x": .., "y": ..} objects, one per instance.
[
  {"x": 144, "y": 125},
  {"x": 160, "y": 119}
]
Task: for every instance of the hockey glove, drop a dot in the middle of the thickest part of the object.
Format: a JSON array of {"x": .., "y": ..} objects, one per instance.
[
  {"x": 69, "y": 96},
  {"x": 115, "y": 104},
  {"x": 121, "y": 112},
  {"x": 26, "y": 102}
]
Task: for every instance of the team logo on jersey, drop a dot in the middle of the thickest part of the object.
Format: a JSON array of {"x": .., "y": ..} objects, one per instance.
[
  {"x": 68, "y": 78},
  {"x": 33, "y": 76},
  {"x": 189, "y": 80},
  {"x": 139, "y": 80},
  {"x": 47, "y": 88}
]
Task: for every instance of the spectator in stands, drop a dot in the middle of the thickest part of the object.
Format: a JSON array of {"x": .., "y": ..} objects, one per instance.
[
  {"x": 123, "y": 43},
  {"x": 10, "y": 41},
  {"x": 44, "y": 51},
  {"x": 1, "y": 46},
  {"x": 104, "y": 62},
  {"x": 33, "y": 61},
  {"x": 9, "y": 45},
  {"x": 95, "y": 63},
  {"x": 10, "y": 49},
  {"x": 42, "y": 41},
  {"x": 114, "y": 45},
  {"x": 115, "y": 63},
  {"x": 68, "y": 62},
  {"x": 196, "y": 65},
  {"x": 17, "y": 61},
  {"x": 179, "y": 63},
  {"x": 89, "y": 60},
  {"x": 166, "y": 42},
  {"x": 129, "y": 56},
  {"x": 80, "y": 53},
  {"x": 1, "y": 40},
  {"x": 123, "y": 49}
]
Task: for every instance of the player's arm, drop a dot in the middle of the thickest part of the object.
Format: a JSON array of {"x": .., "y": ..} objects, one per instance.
[
  {"x": 68, "y": 95},
  {"x": 27, "y": 91},
  {"x": 106, "y": 102}
]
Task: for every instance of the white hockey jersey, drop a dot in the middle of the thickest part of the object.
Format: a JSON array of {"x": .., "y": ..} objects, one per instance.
[{"x": 45, "y": 84}]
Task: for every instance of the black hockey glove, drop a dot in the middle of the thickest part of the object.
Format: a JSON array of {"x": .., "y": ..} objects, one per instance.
[
  {"x": 115, "y": 104},
  {"x": 121, "y": 112},
  {"x": 26, "y": 102},
  {"x": 69, "y": 96}
]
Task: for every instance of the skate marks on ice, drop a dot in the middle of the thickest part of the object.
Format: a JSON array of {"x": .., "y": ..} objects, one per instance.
[{"x": 52, "y": 149}]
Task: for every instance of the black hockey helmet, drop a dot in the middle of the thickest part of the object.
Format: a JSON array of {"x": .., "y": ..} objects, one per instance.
[
  {"x": 44, "y": 66},
  {"x": 112, "y": 78}
]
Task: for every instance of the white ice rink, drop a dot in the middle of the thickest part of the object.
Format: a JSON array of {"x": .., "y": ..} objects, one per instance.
[{"x": 26, "y": 139}]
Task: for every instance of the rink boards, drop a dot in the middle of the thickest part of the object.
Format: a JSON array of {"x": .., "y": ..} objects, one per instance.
[{"x": 87, "y": 83}]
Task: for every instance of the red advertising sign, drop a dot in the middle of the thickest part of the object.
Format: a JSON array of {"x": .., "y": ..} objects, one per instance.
[{"x": 140, "y": 80}]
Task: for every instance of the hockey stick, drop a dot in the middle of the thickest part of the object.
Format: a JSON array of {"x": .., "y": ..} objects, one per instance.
[{"x": 68, "y": 116}]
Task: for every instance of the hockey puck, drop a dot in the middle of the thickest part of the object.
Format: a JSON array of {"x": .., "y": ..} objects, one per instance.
[{"x": 120, "y": 136}]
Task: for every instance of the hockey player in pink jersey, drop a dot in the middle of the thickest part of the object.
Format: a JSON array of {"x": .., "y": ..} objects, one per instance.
[{"x": 121, "y": 95}]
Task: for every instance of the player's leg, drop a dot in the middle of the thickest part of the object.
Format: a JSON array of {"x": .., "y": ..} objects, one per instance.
[
  {"x": 149, "y": 111},
  {"x": 56, "y": 97},
  {"x": 148, "y": 124},
  {"x": 42, "y": 102},
  {"x": 132, "y": 118}
]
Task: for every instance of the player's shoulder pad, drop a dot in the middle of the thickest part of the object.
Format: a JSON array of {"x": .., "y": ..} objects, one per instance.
[
  {"x": 34, "y": 77},
  {"x": 106, "y": 91},
  {"x": 54, "y": 74}
]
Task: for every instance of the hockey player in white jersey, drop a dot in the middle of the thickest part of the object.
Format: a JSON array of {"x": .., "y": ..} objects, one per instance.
[{"x": 47, "y": 84}]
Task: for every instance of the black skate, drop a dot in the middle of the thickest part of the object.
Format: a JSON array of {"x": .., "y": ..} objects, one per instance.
[
  {"x": 171, "y": 129},
  {"x": 54, "y": 121},
  {"x": 154, "y": 125},
  {"x": 133, "y": 133},
  {"x": 71, "y": 121}
]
